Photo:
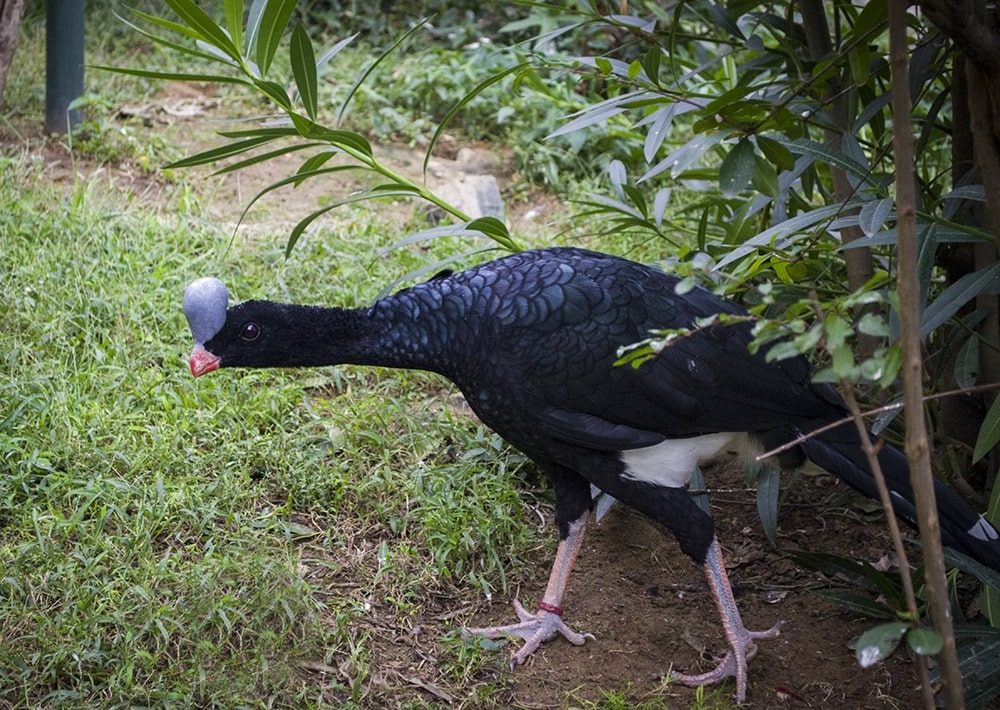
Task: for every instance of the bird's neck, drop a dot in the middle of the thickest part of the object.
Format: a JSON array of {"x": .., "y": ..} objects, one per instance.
[{"x": 395, "y": 332}]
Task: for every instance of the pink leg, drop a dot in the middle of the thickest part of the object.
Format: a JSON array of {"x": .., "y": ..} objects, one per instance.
[
  {"x": 739, "y": 639},
  {"x": 546, "y": 623}
]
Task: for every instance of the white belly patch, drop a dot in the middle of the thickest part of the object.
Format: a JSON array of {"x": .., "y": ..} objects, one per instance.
[{"x": 672, "y": 462}]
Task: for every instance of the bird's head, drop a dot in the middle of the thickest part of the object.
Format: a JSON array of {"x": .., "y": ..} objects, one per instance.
[
  {"x": 205, "y": 302},
  {"x": 249, "y": 334}
]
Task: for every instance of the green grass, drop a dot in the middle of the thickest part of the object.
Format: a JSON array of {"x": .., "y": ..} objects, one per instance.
[{"x": 169, "y": 542}]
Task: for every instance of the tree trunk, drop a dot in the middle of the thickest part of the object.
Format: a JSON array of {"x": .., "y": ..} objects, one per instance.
[
  {"x": 859, "y": 263},
  {"x": 11, "y": 12}
]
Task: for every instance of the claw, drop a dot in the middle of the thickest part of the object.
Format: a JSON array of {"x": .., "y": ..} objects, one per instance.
[
  {"x": 734, "y": 663},
  {"x": 740, "y": 640},
  {"x": 534, "y": 629}
]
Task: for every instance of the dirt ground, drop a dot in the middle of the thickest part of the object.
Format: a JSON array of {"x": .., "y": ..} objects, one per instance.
[
  {"x": 648, "y": 607},
  {"x": 645, "y": 602}
]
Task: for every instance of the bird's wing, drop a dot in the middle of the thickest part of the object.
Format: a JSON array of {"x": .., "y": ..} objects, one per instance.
[{"x": 704, "y": 382}]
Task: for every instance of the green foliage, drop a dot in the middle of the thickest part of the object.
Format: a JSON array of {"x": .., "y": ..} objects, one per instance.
[
  {"x": 247, "y": 64},
  {"x": 864, "y": 590}
]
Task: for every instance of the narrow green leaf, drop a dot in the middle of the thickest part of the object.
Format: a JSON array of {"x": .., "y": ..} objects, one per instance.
[
  {"x": 967, "y": 363},
  {"x": 252, "y": 32},
  {"x": 334, "y": 50},
  {"x": 495, "y": 230},
  {"x": 166, "y": 24},
  {"x": 270, "y": 132},
  {"x": 989, "y": 432},
  {"x": 768, "y": 488},
  {"x": 220, "y": 153},
  {"x": 172, "y": 76},
  {"x": 476, "y": 91},
  {"x": 876, "y": 644},
  {"x": 765, "y": 177},
  {"x": 304, "y": 69},
  {"x": 202, "y": 23},
  {"x": 925, "y": 642},
  {"x": 264, "y": 157},
  {"x": 274, "y": 91},
  {"x": 183, "y": 49},
  {"x": 234, "y": 20},
  {"x": 272, "y": 26},
  {"x": 857, "y": 603},
  {"x": 824, "y": 154},
  {"x": 737, "y": 168},
  {"x": 778, "y": 154},
  {"x": 957, "y": 295},
  {"x": 651, "y": 63},
  {"x": 873, "y": 215},
  {"x": 367, "y": 72},
  {"x": 589, "y": 118}
]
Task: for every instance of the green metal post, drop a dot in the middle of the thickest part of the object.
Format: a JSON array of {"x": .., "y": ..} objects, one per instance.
[{"x": 63, "y": 63}]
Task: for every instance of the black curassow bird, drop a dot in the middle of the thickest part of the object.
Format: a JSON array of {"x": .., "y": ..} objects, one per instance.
[{"x": 531, "y": 340}]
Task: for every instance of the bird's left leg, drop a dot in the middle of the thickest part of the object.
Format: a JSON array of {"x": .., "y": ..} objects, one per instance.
[
  {"x": 547, "y": 622},
  {"x": 739, "y": 639}
]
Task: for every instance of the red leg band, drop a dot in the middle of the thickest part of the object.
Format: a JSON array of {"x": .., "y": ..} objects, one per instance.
[{"x": 551, "y": 608}]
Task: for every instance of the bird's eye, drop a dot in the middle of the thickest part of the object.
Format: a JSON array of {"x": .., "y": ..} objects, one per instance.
[{"x": 250, "y": 331}]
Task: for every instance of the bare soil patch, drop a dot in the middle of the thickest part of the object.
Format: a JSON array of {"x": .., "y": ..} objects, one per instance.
[{"x": 649, "y": 608}]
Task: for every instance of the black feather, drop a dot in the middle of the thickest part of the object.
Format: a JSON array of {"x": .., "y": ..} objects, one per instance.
[{"x": 531, "y": 340}]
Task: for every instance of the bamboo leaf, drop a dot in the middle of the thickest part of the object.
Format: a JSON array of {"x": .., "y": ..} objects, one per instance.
[
  {"x": 220, "y": 153},
  {"x": 234, "y": 21},
  {"x": 476, "y": 91},
  {"x": 824, "y": 154},
  {"x": 957, "y": 295},
  {"x": 877, "y": 644},
  {"x": 274, "y": 91},
  {"x": 658, "y": 132},
  {"x": 768, "y": 488},
  {"x": 873, "y": 215},
  {"x": 173, "y": 76},
  {"x": 589, "y": 118},
  {"x": 264, "y": 157},
  {"x": 252, "y": 32},
  {"x": 857, "y": 603},
  {"x": 989, "y": 432},
  {"x": 365, "y": 74},
  {"x": 273, "y": 21},
  {"x": 925, "y": 642},
  {"x": 304, "y": 69},
  {"x": 334, "y": 50},
  {"x": 203, "y": 24},
  {"x": 183, "y": 49}
]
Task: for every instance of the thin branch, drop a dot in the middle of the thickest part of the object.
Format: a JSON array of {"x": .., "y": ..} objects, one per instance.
[
  {"x": 871, "y": 413},
  {"x": 908, "y": 287}
]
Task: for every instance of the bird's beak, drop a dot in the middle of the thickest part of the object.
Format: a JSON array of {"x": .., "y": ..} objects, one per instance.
[{"x": 203, "y": 361}]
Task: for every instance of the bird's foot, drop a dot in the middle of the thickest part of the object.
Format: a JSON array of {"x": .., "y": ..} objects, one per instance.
[
  {"x": 734, "y": 664},
  {"x": 535, "y": 629}
]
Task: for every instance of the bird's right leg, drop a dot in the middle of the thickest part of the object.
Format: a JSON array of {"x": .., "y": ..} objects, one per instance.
[
  {"x": 739, "y": 639},
  {"x": 547, "y": 622}
]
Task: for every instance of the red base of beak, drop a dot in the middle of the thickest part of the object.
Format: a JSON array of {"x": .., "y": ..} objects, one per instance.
[{"x": 203, "y": 361}]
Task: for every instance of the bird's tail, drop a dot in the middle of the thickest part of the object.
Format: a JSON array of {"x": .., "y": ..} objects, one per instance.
[{"x": 962, "y": 528}]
